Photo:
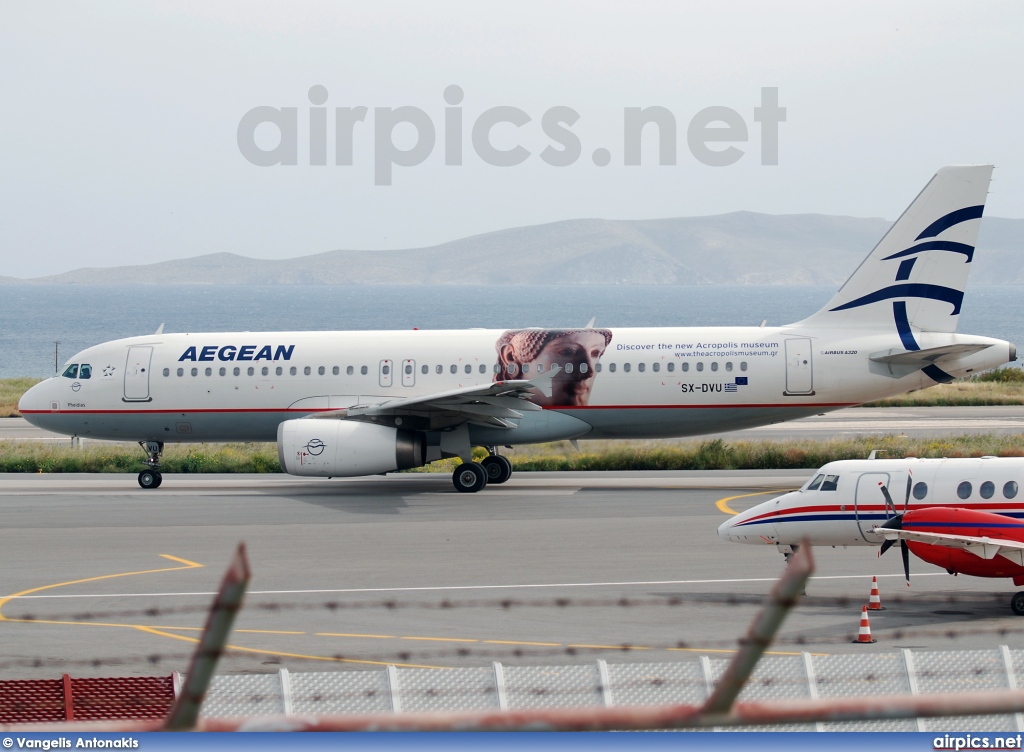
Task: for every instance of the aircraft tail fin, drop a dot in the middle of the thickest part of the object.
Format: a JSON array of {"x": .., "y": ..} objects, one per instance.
[{"x": 916, "y": 276}]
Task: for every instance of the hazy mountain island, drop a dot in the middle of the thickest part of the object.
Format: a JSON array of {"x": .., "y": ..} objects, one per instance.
[{"x": 736, "y": 248}]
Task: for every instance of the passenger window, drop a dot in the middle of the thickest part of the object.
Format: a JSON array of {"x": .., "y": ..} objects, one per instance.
[
  {"x": 920, "y": 490},
  {"x": 1010, "y": 489},
  {"x": 424, "y": 370},
  {"x": 714, "y": 365},
  {"x": 568, "y": 368},
  {"x": 831, "y": 483},
  {"x": 209, "y": 371},
  {"x": 626, "y": 367},
  {"x": 685, "y": 367},
  {"x": 483, "y": 368},
  {"x": 85, "y": 371},
  {"x": 195, "y": 371},
  {"x": 250, "y": 371},
  {"x": 598, "y": 367},
  {"x": 540, "y": 368},
  {"x": 307, "y": 370},
  {"x": 671, "y": 367},
  {"x": 964, "y": 490},
  {"x": 655, "y": 367},
  {"x": 611, "y": 367},
  {"x": 223, "y": 371},
  {"x": 293, "y": 370},
  {"x": 334, "y": 371},
  {"x": 584, "y": 368},
  {"x": 700, "y": 366},
  {"x": 167, "y": 372},
  {"x": 987, "y": 490},
  {"x": 277, "y": 371},
  {"x": 510, "y": 368},
  {"x": 526, "y": 367},
  {"x": 455, "y": 368},
  {"x": 469, "y": 368},
  {"x": 728, "y": 365},
  {"x": 640, "y": 367},
  {"x": 743, "y": 366},
  {"x": 236, "y": 371},
  {"x": 815, "y": 483},
  {"x": 497, "y": 368},
  {"x": 181, "y": 371},
  {"x": 321, "y": 371},
  {"x": 363, "y": 370},
  {"x": 71, "y": 372},
  {"x": 266, "y": 371},
  {"x": 385, "y": 370}
]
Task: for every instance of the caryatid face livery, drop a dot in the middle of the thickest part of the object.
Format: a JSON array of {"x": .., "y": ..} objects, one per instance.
[{"x": 574, "y": 353}]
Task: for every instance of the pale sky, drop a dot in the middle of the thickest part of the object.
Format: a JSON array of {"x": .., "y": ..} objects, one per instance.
[{"x": 119, "y": 121}]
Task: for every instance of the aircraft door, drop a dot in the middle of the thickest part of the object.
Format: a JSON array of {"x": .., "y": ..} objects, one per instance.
[
  {"x": 869, "y": 504},
  {"x": 136, "y": 374},
  {"x": 799, "y": 369},
  {"x": 386, "y": 373},
  {"x": 408, "y": 372}
]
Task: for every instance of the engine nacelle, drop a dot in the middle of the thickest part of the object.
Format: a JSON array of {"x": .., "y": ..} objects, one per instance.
[{"x": 343, "y": 448}]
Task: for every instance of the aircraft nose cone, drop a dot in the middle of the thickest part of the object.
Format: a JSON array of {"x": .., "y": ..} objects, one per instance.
[
  {"x": 34, "y": 400},
  {"x": 725, "y": 531}
]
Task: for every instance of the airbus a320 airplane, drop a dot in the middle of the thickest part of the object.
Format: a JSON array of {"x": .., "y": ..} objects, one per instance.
[{"x": 363, "y": 403}]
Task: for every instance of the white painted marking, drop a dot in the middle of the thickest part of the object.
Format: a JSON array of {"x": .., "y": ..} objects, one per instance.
[{"x": 443, "y": 588}]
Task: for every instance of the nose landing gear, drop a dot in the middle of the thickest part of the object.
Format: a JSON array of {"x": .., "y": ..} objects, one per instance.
[{"x": 151, "y": 477}]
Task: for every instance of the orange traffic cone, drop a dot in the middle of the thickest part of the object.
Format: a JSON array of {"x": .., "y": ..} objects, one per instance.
[
  {"x": 874, "y": 602},
  {"x": 864, "y": 635}
]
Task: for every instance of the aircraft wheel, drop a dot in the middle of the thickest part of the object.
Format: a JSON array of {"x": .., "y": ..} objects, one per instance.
[
  {"x": 150, "y": 479},
  {"x": 1017, "y": 604},
  {"x": 469, "y": 477},
  {"x": 499, "y": 469}
]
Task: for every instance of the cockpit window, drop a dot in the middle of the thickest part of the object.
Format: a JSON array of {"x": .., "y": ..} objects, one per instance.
[
  {"x": 814, "y": 484},
  {"x": 71, "y": 372},
  {"x": 85, "y": 372},
  {"x": 831, "y": 483}
]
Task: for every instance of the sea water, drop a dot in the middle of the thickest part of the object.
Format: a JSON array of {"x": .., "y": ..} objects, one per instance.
[{"x": 36, "y": 320}]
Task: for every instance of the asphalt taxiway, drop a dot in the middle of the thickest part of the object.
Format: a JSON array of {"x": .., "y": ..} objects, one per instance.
[{"x": 101, "y": 578}]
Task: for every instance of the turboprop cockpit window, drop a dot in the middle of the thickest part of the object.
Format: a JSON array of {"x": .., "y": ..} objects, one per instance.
[
  {"x": 815, "y": 483},
  {"x": 831, "y": 483},
  {"x": 71, "y": 372}
]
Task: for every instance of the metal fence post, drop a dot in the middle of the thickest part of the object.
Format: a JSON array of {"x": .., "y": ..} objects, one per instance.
[
  {"x": 499, "y": 685},
  {"x": 286, "y": 691},
  {"x": 396, "y": 700},
  {"x": 908, "y": 661},
  {"x": 1011, "y": 681},
  {"x": 812, "y": 684},
  {"x": 605, "y": 684}
]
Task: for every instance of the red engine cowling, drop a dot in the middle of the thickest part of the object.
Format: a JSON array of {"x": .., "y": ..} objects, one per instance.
[{"x": 959, "y": 521}]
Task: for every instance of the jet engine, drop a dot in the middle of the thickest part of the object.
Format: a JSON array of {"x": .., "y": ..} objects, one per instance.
[{"x": 343, "y": 448}]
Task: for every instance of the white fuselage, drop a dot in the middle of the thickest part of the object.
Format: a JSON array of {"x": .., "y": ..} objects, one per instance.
[
  {"x": 847, "y": 504},
  {"x": 646, "y": 383}
]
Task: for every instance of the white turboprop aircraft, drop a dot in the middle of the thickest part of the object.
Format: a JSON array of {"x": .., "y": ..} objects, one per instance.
[
  {"x": 962, "y": 514},
  {"x": 362, "y": 403}
]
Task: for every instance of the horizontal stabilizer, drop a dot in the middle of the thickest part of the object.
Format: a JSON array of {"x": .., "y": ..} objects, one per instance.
[{"x": 921, "y": 358}]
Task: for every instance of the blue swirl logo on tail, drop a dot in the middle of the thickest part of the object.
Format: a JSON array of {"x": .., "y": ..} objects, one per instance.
[{"x": 920, "y": 290}]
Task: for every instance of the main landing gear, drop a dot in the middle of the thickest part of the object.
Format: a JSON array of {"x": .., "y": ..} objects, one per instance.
[
  {"x": 1017, "y": 604},
  {"x": 470, "y": 477},
  {"x": 151, "y": 477}
]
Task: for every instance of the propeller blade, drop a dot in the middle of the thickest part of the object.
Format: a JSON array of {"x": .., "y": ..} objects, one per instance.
[
  {"x": 906, "y": 499},
  {"x": 905, "y": 550},
  {"x": 886, "y": 545},
  {"x": 888, "y": 499}
]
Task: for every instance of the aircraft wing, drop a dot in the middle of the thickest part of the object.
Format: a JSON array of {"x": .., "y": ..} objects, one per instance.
[
  {"x": 982, "y": 547},
  {"x": 496, "y": 404}
]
